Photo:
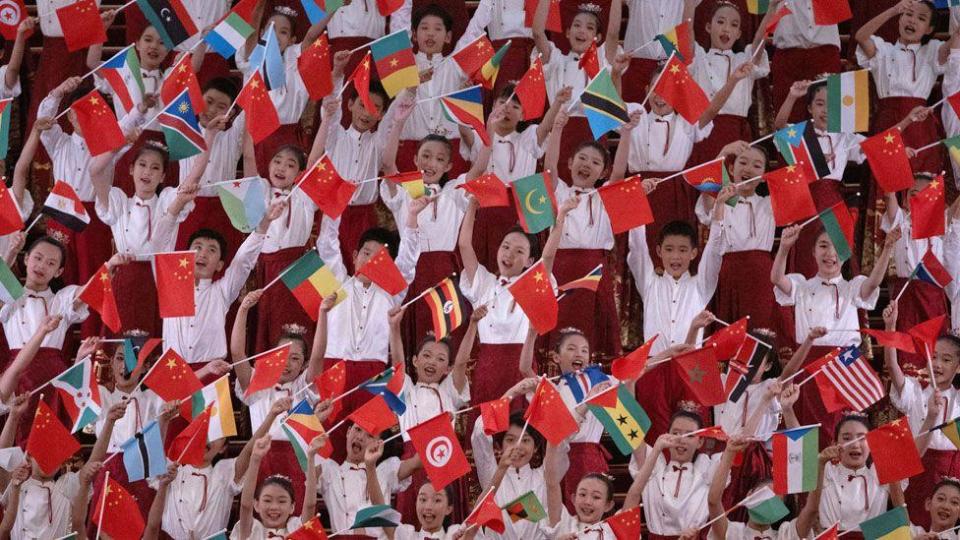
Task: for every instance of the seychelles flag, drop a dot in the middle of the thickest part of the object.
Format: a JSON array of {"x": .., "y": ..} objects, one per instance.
[
  {"x": 181, "y": 129},
  {"x": 302, "y": 426},
  {"x": 466, "y": 108}
]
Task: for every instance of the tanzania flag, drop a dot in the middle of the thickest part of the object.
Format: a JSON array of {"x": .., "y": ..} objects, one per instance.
[
  {"x": 465, "y": 107},
  {"x": 798, "y": 145},
  {"x": 309, "y": 280},
  {"x": 839, "y": 224},
  {"x": 215, "y": 395},
  {"x": 301, "y": 426},
  {"x": 536, "y": 204},
  {"x": 892, "y": 525},
  {"x": 10, "y": 287},
  {"x": 5, "y": 112},
  {"x": 181, "y": 130},
  {"x": 709, "y": 177},
  {"x": 488, "y": 73},
  {"x": 678, "y": 40},
  {"x": 590, "y": 281},
  {"x": 622, "y": 417},
  {"x": 603, "y": 106},
  {"x": 758, "y": 7},
  {"x": 79, "y": 394},
  {"x": 395, "y": 62},
  {"x": 951, "y": 430},
  {"x": 171, "y": 20},
  {"x": 245, "y": 202},
  {"x": 795, "y": 459},
  {"x": 526, "y": 506},
  {"x": 848, "y": 102},
  {"x": 143, "y": 454},
  {"x": 446, "y": 306}
]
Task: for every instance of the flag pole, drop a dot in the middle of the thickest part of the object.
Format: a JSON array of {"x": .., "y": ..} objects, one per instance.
[
  {"x": 273, "y": 281},
  {"x": 227, "y": 182},
  {"x": 688, "y": 169},
  {"x": 655, "y": 82},
  {"x": 249, "y": 358},
  {"x": 103, "y": 504},
  {"x": 927, "y": 147},
  {"x": 728, "y": 510},
  {"x": 32, "y": 223},
  {"x": 758, "y": 340},
  {"x": 765, "y": 137},
  {"x": 357, "y": 387},
  {"x": 905, "y": 285},
  {"x": 187, "y": 447},
  {"x": 425, "y": 292}
]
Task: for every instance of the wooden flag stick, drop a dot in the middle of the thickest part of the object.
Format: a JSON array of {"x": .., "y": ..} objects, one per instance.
[
  {"x": 32, "y": 223},
  {"x": 758, "y": 340},
  {"x": 103, "y": 504},
  {"x": 187, "y": 447},
  {"x": 424, "y": 293},
  {"x": 654, "y": 85}
]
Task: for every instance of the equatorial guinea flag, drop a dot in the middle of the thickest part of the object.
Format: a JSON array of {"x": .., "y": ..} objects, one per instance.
[{"x": 795, "y": 454}]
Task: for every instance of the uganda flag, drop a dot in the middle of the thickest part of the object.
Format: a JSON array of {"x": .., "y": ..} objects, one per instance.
[
  {"x": 446, "y": 306},
  {"x": 622, "y": 417},
  {"x": 603, "y": 106}
]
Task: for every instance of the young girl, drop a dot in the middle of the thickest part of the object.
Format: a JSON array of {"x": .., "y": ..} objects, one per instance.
[
  {"x": 943, "y": 509},
  {"x": 39, "y": 506},
  {"x": 503, "y": 20},
  {"x": 647, "y": 20},
  {"x": 272, "y": 499}
]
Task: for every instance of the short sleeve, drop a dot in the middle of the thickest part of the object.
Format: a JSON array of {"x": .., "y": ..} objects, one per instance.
[
  {"x": 483, "y": 281},
  {"x": 784, "y": 299},
  {"x": 530, "y": 142},
  {"x": 931, "y": 53},
  {"x": 869, "y": 302},
  {"x": 449, "y": 388},
  {"x": 388, "y": 471},
  {"x": 883, "y": 50},
  {"x": 115, "y": 207}
]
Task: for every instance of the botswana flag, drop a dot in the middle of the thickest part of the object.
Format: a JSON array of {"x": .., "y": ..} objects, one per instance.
[{"x": 143, "y": 454}]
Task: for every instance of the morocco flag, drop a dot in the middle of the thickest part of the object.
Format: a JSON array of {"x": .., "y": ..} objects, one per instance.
[
  {"x": 626, "y": 204},
  {"x": 438, "y": 448},
  {"x": 533, "y": 292},
  {"x": 699, "y": 370},
  {"x": 174, "y": 274},
  {"x": 98, "y": 294}
]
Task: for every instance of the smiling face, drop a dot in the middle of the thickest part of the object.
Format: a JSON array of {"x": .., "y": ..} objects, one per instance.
[
  {"x": 724, "y": 28},
  {"x": 573, "y": 353},
  {"x": 687, "y": 449},
  {"x": 944, "y": 507},
  {"x": 216, "y": 104},
  {"x": 677, "y": 252},
  {"x": 357, "y": 442},
  {"x": 824, "y": 252},
  {"x": 818, "y": 108},
  {"x": 512, "y": 115},
  {"x": 433, "y": 158},
  {"x": 150, "y": 49},
  {"x": 209, "y": 260},
  {"x": 526, "y": 449},
  {"x": 592, "y": 500},
  {"x": 582, "y": 32},
  {"x": 44, "y": 263},
  {"x": 432, "y": 508},
  {"x": 294, "y": 360},
  {"x": 658, "y": 105},
  {"x": 361, "y": 119},
  {"x": 946, "y": 362},
  {"x": 915, "y": 23},
  {"x": 432, "y": 35},
  {"x": 432, "y": 362},
  {"x": 749, "y": 164},
  {"x": 147, "y": 171},
  {"x": 513, "y": 256},
  {"x": 274, "y": 505},
  {"x": 586, "y": 167},
  {"x": 855, "y": 454},
  {"x": 284, "y": 169}
]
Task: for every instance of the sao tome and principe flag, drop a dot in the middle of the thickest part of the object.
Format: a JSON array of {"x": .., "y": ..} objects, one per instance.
[{"x": 622, "y": 417}]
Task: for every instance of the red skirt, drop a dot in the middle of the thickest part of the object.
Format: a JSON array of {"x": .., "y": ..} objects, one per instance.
[
  {"x": 137, "y": 300},
  {"x": 894, "y": 109},
  {"x": 407, "y": 499},
  {"x": 754, "y": 467},
  {"x": 208, "y": 213},
  {"x": 286, "y": 134},
  {"x": 825, "y": 194},
  {"x": 809, "y": 408},
  {"x": 674, "y": 200},
  {"x": 797, "y": 64},
  {"x": 141, "y": 491},
  {"x": 585, "y": 458},
  {"x": 355, "y": 220},
  {"x": 921, "y": 302},
  {"x": 281, "y": 459},
  {"x": 122, "y": 176},
  {"x": 408, "y": 151},
  {"x": 496, "y": 370},
  {"x": 637, "y": 78},
  {"x": 277, "y": 307},
  {"x": 602, "y": 330},
  {"x": 661, "y": 405},
  {"x": 727, "y": 128},
  {"x": 738, "y": 294},
  {"x": 357, "y": 371},
  {"x": 575, "y": 132},
  {"x": 491, "y": 225},
  {"x": 47, "y": 364},
  {"x": 432, "y": 267},
  {"x": 54, "y": 66},
  {"x": 936, "y": 465}
]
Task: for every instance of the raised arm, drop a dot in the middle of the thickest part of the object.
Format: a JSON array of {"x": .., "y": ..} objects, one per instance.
[
  {"x": 620, "y": 160},
  {"x": 864, "y": 35},
  {"x": 551, "y": 156},
  {"x": 876, "y": 276},
  {"x": 552, "y": 478},
  {"x": 802, "y": 351},
  {"x": 558, "y": 105},
  {"x": 81, "y": 500},
  {"x": 318, "y": 350},
  {"x": 462, "y": 360},
  {"x": 612, "y": 41},
  {"x": 808, "y": 515},
  {"x": 328, "y": 113},
  {"x": 635, "y": 492},
  {"x": 897, "y": 379},
  {"x": 214, "y": 127},
  {"x": 10, "y": 379},
  {"x": 718, "y": 530},
  {"x": 540, "y": 29},
  {"x": 778, "y": 272},
  {"x": 238, "y": 337},
  {"x": 245, "y": 459},
  {"x": 12, "y": 76},
  {"x": 465, "y": 241},
  {"x": 526, "y": 353},
  {"x": 245, "y": 518},
  {"x": 371, "y": 456},
  {"x": 114, "y": 413},
  {"x": 155, "y": 516},
  {"x": 402, "y": 109},
  {"x": 556, "y": 233},
  {"x": 929, "y": 421},
  {"x": 720, "y": 98},
  {"x": 789, "y": 395},
  {"x": 797, "y": 90},
  {"x": 310, "y": 484}
]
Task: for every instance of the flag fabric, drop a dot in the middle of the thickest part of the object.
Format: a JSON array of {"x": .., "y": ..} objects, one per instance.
[
  {"x": 764, "y": 507},
  {"x": 846, "y": 380},
  {"x": 215, "y": 395},
  {"x": 136, "y": 351},
  {"x": 758, "y": 7},
  {"x": 489, "y": 71},
  {"x": 388, "y": 385},
  {"x": 839, "y": 226},
  {"x": 143, "y": 454},
  {"x": 795, "y": 465},
  {"x": 798, "y": 145},
  {"x": 554, "y": 22},
  {"x": 533, "y": 292},
  {"x": 465, "y": 107},
  {"x": 928, "y": 211},
  {"x": 98, "y": 295},
  {"x": 396, "y": 65},
  {"x": 174, "y": 274},
  {"x": 680, "y": 91},
  {"x": 488, "y": 189},
  {"x": 496, "y": 416},
  {"x": 446, "y": 307},
  {"x": 232, "y": 32},
  {"x": 310, "y": 280},
  {"x": 81, "y": 24},
  {"x": 122, "y": 73},
  {"x": 898, "y": 340},
  {"x": 439, "y": 449},
  {"x": 888, "y": 160},
  {"x": 625, "y": 524},
  {"x": 79, "y": 394},
  {"x": 316, "y": 10},
  {"x": 268, "y": 60},
  {"x": 12, "y": 13},
  {"x": 10, "y": 219},
  {"x": 678, "y": 41},
  {"x": 49, "y": 442},
  {"x": 117, "y": 513},
  {"x": 378, "y": 515},
  {"x": 954, "y": 101},
  {"x": 549, "y": 415},
  {"x": 254, "y": 99},
  {"x": 582, "y": 381},
  {"x": 326, "y": 188},
  {"x": 632, "y": 365},
  {"x": 5, "y": 113},
  {"x": 602, "y": 105},
  {"x": 311, "y": 530},
  {"x": 301, "y": 427},
  {"x": 472, "y": 57},
  {"x": 932, "y": 271},
  {"x": 953, "y": 148},
  {"x": 951, "y": 430},
  {"x": 374, "y": 416},
  {"x": 526, "y": 506},
  {"x": 830, "y": 12},
  {"x": 181, "y": 129},
  {"x": 190, "y": 445},
  {"x": 182, "y": 77},
  {"x": 622, "y": 417},
  {"x": 383, "y": 271},
  {"x": 330, "y": 384},
  {"x": 361, "y": 84},
  {"x": 626, "y": 204},
  {"x": 891, "y": 525},
  {"x": 171, "y": 19},
  {"x": 411, "y": 182},
  {"x": 590, "y": 61},
  {"x": 925, "y": 334},
  {"x": 10, "y": 288},
  {"x": 98, "y": 124},
  {"x": 316, "y": 68},
  {"x": 268, "y": 366},
  {"x": 728, "y": 340},
  {"x": 775, "y": 20},
  {"x": 531, "y": 90},
  {"x": 244, "y": 202},
  {"x": 848, "y": 102},
  {"x": 708, "y": 177},
  {"x": 744, "y": 368},
  {"x": 171, "y": 378},
  {"x": 535, "y": 201},
  {"x": 699, "y": 370},
  {"x": 790, "y": 195},
  {"x": 487, "y": 514},
  {"x": 386, "y": 7},
  {"x": 830, "y": 534},
  {"x": 64, "y": 205},
  {"x": 591, "y": 281}
]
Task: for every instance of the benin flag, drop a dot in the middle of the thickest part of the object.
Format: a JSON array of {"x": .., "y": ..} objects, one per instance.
[
  {"x": 465, "y": 107},
  {"x": 951, "y": 430},
  {"x": 603, "y": 106},
  {"x": 446, "y": 307},
  {"x": 678, "y": 40},
  {"x": 622, "y": 417},
  {"x": 395, "y": 62},
  {"x": 892, "y": 525},
  {"x": 848, "y": 102},
  {"x": 310, "y": 281},
  {"x": 535, "y": 202},
  {"x": 838, "y": 224}
]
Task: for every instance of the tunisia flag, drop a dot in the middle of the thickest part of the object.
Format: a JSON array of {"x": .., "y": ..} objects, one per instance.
[
  {"x": 626, "y": 204},
  {"x": 174, "y": 273},
  {"x": 534, "y": 294},
  {"x": 439, "y": 450},
  {"x": 549, "y": 414},
  {"x": 894, "y": 451},
  {"x": 98, "y": 294}
]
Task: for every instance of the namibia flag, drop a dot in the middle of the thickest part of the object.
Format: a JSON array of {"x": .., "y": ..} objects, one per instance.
[
  {"x": 446, "y": 306},
  {"x": 603, "y": 106},
  {"x": 181, "y": 130},
  {"x": 622, "y": 417}
]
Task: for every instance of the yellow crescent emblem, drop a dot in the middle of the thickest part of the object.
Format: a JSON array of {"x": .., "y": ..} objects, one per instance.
[{"x": 526, "y": 202}]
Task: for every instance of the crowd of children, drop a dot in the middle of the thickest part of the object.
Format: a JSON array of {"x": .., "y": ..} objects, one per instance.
[{"x": 428, "y": 290}]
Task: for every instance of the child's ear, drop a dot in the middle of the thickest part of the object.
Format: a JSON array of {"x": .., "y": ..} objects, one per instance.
[
  {"x": 660, "y": 253},
  {"x": 60, "y": 271},
  {"x": 693, "y": 253},
  {"x": 449, "y": 36},
  {"x": 220, "y": 265}
]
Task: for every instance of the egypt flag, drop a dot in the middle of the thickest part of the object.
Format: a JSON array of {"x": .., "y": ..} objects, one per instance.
[
  {"x": 64, "y": 206},
  {"x": 446, "y": 307},
  {"x": 171, "y": 20},
  {"x": 301, "y": 426},
  {"x": 79, "y": 394}
]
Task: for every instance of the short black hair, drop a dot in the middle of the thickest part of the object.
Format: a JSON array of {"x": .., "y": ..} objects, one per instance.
[
  {"x": 951, "y": 339},
  {"x": 376, "y": 88},
  {"x": 812, "y": 91},
  {"x": 278, "y": 13},
  {"x": 605, "y": 479},
  {"x": 599, "y": 147},
  {"x": 532, "y": 239},
  {"x": 678, "y": 228},
  {"x": 509, "y": 92},
  {"x": 226, "y": 85},
  {"x": 433, "y": 10},
  {"x": 297, "y": 152},
  {"x": 539, "y": 442},
  {"x": 211, "y": 235},
  {"x": 276, "y": 480},
  {"x": 53, "y": 242},
  {"x": 382, "y": 236},
  {"x": 689, "y": 415},
  {"x": 862, "y": 419}
]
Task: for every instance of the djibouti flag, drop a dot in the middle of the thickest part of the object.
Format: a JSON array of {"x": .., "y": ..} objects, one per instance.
[
  {"x": 848, "y": 102},
  {"x": 795, "y": 454},
  {"x": 245, "y": 202}
]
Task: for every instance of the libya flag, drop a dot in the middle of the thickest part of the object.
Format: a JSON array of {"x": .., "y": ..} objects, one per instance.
[
  {"x": 622, "y": 417},
  {"x": 536, "y": 205}
]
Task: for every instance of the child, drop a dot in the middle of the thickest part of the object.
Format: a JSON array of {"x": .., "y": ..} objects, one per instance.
[
  {"x": 273, "y": 498},
  {"x": 950, "y": 85},
  {"x": 38, "y": 506},
  {"x": 503, "y": 20},
  {"x": 11, "y": 244},
  {"x": 646, "y": 21},
  {"x": 942, "y": 508},
  {"x": 828, "y": 300},
  {"x": 10, "y": 73},
  {"x": 951, "y": 244},
  {"x": 55, "y": 63},
  {"x": 433, "y": 510}
]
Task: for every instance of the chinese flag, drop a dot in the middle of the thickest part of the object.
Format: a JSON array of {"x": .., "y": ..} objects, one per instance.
[
  {"x": 268, "y": 368},
  {"x": 626, "y": 204},
  {"x": 926, "y": 333},
  {"x": 677, "y": 87},
  {"x": 699, "y": 370},
  {"x": 790, "y": 195},
  {"x": 10, "y": 220},
  {"x": 439, "y": 450},
  {"x": 174, "y": 273},
  {"x": 531, "y": 90},
  {"x": 171, "y": 377},
  {"x": 326, "y": 188},
  {"x": 714, "y": 432},
  {"x": 50, "y": 442},
  {"x": 190, "y": 445},
  {"x": 361, "y": 83},
  {"x": 374, "y": 416},
  {"x": 182, "y": 77},
  {"x": 330, "y": 384},
  {"x": 98, "y": 294},
  {"x": 316, "y": 68},
  {"x": 632, "y": 365},
  {"x": 488, "y": 189},
  {"x": 626, "y": 525},
  {"x": 928, "y": 211},
  {"x": 549, "y": 414},
  {"x": 472, "y": 57},
  {"x": 888, "y": 160},
  {"x": 727, "y": 340},
  {"x": 898, "y": 340},
  {"x": 829, "y": 12},
  {"x": 118, "y": 513},
  {"x": 487, "y": 514},
  {"x": 775, "y": 20},
  {"x": 81, "y": 23},
  {"x": 384, "y": 272},
  {"x": 98, "y": 124},
  {"x": 590, "y": 61},
  {"x": 311, "y": 530},
  {"x": 534, "y": 294},
  {"x": 496, "y": 416},
  {"x": 554, "y": 23},
  {"x": 386, "y": 7},
  {"x": 254, "y": 99},
  {"x": 894, "y": 451}
]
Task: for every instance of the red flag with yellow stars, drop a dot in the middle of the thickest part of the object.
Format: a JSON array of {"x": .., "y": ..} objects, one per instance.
[
  {"x": 81, "y": 25},
  {"x": 472, "y": 57},
  {"x": 174, "y": 274},
  {"x": 98, "y": 124},
  {"x": 549, "y": 415},
  {"x": 632, "y": 365},
  {"x": 268, "y": 366},
  {"x": 98, "y": 294},
  {"x": 533, "y": 292},
  {"x": 117, "y": 512},
  {"x": 254, "y": 99},
  {"x": 554, "y": 22},
  {"x": 729, "y": 339},
  {"x": 316, "y": 68},
  {"x": 50, "y": 442},
  {"x": 374, "y": 416},
  {"x": 182, "y": 77},
  {"x": 10, "y": 219},
  {"x": 928, "y": 211},
  {"x": 888, "y": 160},
  {"x": 590, "y": 61},
  {"x": 677, "y": 87},
  {"x": 190, "y": 445},
  {"x": 361, "y": 84},
  {"x": 894, "y": 451},
  {"x": 488, "y": 189},
  {"x": 626, "y": 524},
  {"x": 626, "y": 204},
  {"x": 699, "y": 370},
  {"x": 326, "y": 188},
  {"x": 531, "y": 90},
  {"x": 790, "y": 195},
  {"x": 171, "y": 378},
  {"x": 496, "y": 416},
  {"x": 311, "y": 530},
  {"x": 384, "y": 272},
  {"x": 331, "y": 383}
]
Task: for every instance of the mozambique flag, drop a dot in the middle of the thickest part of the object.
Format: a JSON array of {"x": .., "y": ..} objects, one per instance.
[
  {"x": 526, "y": 506},
  {"x": 446, "y": 307},
  {"x": 951, "y": 430},
  {"x": 622, "y": 417},
  {"x": 309, "y": 280},
  {"x": 535, "y": 202},
  {"x": 892, "y": 525},
  {"x": 395, "y": 62},
  {"x": 603, "y": 106},
  {"x": 678, "y": 40},
  {"x": 5, "y": 112},
  {"x": 465, "y": 107},
  {"x": 488, "y": 73}
]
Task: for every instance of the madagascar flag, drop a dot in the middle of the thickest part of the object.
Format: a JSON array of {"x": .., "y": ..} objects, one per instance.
[
  {"x": 535, "y": 202},
  {"x": 446, "y": 307},
  {"x": 170, "y": 18},
  {"x": 395, "y": 62},
  {"x": 309, "y": 280}
]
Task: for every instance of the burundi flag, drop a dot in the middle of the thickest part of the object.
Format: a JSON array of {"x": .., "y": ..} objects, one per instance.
[
  {"x": 465, "y": 107},
  {"x": 848, "y": 102},
  {"x": 892, "y": 525},
  {"x": 181, "y": 130},
  {"x": 268, "y": 59},
  {"x": 245, "y": 202},
  {"x": 301, "y": 426},
  {"x": 795, "y": 459},
  {"x": 536, "y": 205},
  {"x": 79, "y": 394},
  {"x": 603, "y": 106},
  {"x": 310, "y": 280},
  {"x": 122, "y": 73},
  {"x": 622, "y": 417},
  {"x": 446, "y": 307},
  {"x": 526, "y": 506},
  {"x": 396, "y": 65},
  {"x": 215, "y": 395},
  {"x": 378, "y": 515},
  {"x": 143, "y": 455},
  {"x": 10, "y": 287}
]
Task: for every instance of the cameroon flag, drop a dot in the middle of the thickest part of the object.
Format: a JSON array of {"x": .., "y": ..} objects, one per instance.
[
  {"x": 309, "y": 280},
  {"x": 622, "y": 417},
  {"x": 395, "y": 62},
  {"x": 536, "y": 204},
  {"x": 603, "y": 106},
  {"x": 446, "y": 306}
]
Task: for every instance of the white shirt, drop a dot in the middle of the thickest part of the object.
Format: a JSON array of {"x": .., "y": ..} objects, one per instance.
[
  {"x": 917, "y": 530},
  {"x": 291, "y": 99},
  {"x": 45, "y": 507},
  {"x": 69, "y": 154},
  {"x": 204, "y": 13},
  {"x": 502, "y": 19},
  {"x": 260, "y": 403},
  {"x": 830, "y": 303},
  {"x": 949, "y": 86},
  {"x": 564, "y": 70},
  {"x": 140, "y": 227},
  {"x": 907, "y": 253},
  {"x": 439, "y": 224},
  {"x": 408, "y": 532},
  {"x": 740, "y": 531},
  {"x": 798, "y": 30},
  {"x": 570, "y": 524},
  {"x": 47, "y": 12},
  {"x": 647, "y": 19},
  {"x": 357, "y": 156},
  {"x": 505, "y": 321},
  {"x": 361, "y": 19},
  {"x": 846, "y": 491},
  {"x": 663, "y": 143},
  {"x": 675, "y": 497},
  {"x": 590, "y": 427},
  {"x": 222, "y": 158},
  {"x": 344, "y": 490},
  {"x": 711, "y": 69},
  {"x": 748, "y": 226},
  {"x": 588, "y": 225},
  {"x": 428, "y": 117},
  {"x": 732, "y": 416},
  {"x": 512, "y": 156},
  {"x": 8, "y": 92},
  {"x": 259, "y": 532},
  {"x": 22, "y": 318},
  {"x": 25, "y": 207},
  {"x": 202, "y": 338},
  {"x": 293, "y": 227},
  {"x": 839, "y": 148},
  {"x": 912, "y": 401},
  {"x": 199, "y": 500},
  {"x": 426, "y": 400},
  {"x": 358, "y": 326},
  {"x": 903, "y": 70},
  {"x": 952, "y": 264},
  {"x": 152, "y": 80},
  {"x": 669, "y": 305},
  {"x": 143, "y": 407}
]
